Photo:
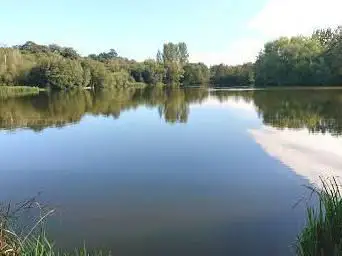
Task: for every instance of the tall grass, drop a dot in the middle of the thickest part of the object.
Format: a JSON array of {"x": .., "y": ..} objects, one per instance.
[
  {"x": 16, "y": 240},
  {"x": 322, "y": 235},
  {"x": 16, "y": 91},
  {"x": 31, "y": 240}
]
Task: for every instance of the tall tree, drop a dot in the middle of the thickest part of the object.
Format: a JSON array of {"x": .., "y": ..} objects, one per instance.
[
  {"x": 183, "y": 53},
  {"x": 175, "y": 56}
]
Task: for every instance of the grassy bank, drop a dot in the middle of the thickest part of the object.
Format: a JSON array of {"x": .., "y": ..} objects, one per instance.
[
  {"x": 17, "y": 91},
  {"x": 322, "y": 235}
]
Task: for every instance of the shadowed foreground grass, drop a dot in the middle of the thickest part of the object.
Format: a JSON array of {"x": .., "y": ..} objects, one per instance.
[{"x": 322, "y": 235}]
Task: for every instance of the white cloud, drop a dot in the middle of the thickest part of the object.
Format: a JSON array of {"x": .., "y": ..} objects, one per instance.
[
  {"x": 292, "y": 17},
  {"x": 277, "y": 18},
  {"x": 308, "y": 155},
  {"x": 238, "y": 52}
]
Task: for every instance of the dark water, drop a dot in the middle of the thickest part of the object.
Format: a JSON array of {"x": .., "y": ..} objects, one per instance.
[{"x": 156, "y": 172}]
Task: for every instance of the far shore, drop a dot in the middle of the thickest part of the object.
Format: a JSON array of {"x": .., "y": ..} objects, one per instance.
[
  {"x": 275, "y": 88},
  {"x": 23, "y": 90}
]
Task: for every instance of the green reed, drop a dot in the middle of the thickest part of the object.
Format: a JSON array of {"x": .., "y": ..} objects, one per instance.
[
  {"x": 322, "y": 235},
  {"x": 33, "y": 239}
]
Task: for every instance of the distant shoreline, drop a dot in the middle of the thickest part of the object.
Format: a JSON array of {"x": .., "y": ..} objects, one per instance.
[
  {"x": 19, "y": 91},
  {"x": 276, "y": 88}
]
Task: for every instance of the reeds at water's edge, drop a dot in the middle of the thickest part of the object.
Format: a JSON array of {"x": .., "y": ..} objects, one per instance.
[
  {"x": 32, "y": 240},
  {"x": 321, "y": 236},
  {"x": 17, "y": 91}
]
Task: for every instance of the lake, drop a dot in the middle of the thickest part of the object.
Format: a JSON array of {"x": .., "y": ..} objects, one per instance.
[{"x": 171, "y": 172}]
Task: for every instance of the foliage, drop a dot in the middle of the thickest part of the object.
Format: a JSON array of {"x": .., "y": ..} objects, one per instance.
[
  {"x": 65, "y": 73},
  {"x": 14, "y": 66},
  {"x": 314, "y": 60},
  {"x": 196, "y": 73},
  {"x": 150, "y": 72},
  {"x": 59, "y": 67},
  {"x": 322, "y": 234},
  {"x": 104, "y": 56},
  {"x": 228, "y": 76},
  {"x": 174, "y": 58}
]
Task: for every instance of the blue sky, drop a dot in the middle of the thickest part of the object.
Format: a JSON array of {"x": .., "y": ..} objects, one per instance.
[{"x": 229, "y": 31}]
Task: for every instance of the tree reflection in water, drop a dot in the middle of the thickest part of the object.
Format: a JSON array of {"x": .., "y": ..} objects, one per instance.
[{"x": 316, "y": 110}]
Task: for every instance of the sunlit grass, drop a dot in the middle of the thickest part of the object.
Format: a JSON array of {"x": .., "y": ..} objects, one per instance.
[
  {"x": 322, "y": 235},
  {"x": 16, "y": 91}
]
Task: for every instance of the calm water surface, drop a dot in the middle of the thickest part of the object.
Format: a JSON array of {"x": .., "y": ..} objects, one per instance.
[{"x": 182, "y": 172}]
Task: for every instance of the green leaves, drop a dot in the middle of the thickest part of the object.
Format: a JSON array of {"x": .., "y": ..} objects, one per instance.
[
  {"x": 227, "y": 76},
  {"x": 196, "y": 73},
  {"x": 174, "y": 56},
  {"x": 314, "y": 60}
]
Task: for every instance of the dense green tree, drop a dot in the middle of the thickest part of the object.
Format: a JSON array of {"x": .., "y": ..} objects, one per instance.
[
  {"x": 183, "y": 53},
  {"x": 333, "y": 56},
  {"x": 174, "y": 56},
  {"x": 100, "y": 77},
  {"x": 14, "y": 66},
  {"x": 324, "y": 36},
  {"x": 230, "y": 76},
  {"x": 173, "y": 74},
  {"x": 137, "y": 71},
  {"x": 150, "y": 72},
  {"x": 314, "y": 60},
  {"x": 70, "y": 53},
  {"x": 153, "y": 72},
  {"x": 32, "y": 47},
  {"x": 196, "y": 73},
  {"x": 104, "y": 56},
  {"x": 62, "y": 68},
  {"x": 65, "y": 73}
]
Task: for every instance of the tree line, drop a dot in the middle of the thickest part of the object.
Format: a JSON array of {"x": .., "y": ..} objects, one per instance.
[
  {"x": 300, "y": 60},
  {"x": 59, "y": 67},
  {"x": 313, "y": 60}
]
